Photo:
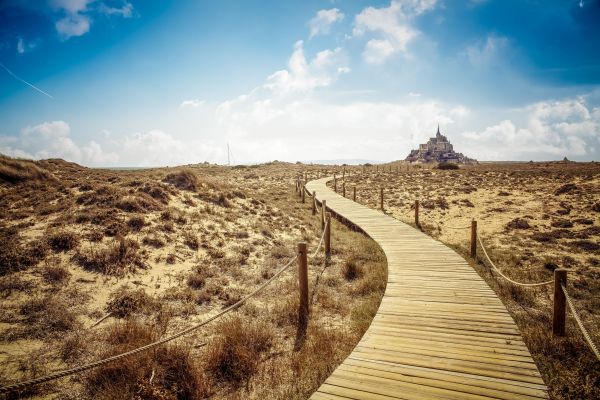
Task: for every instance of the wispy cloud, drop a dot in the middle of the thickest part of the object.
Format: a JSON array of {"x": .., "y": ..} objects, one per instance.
[
  {"x": 194, "y": 103},
  {"x": 25, "y": 82},
  {"x": 322, "y": 22}
]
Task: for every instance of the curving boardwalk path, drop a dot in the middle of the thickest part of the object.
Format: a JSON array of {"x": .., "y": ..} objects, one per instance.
[{"x": 440, "y": 331}]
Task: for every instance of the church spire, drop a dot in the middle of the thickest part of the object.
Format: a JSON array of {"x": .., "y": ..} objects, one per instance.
[{"x": 438, "y": 131}]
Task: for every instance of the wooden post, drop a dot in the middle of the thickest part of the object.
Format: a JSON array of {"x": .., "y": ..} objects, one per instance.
[
  {"x": 354, "y": 194},
  {"x": 344, "y": 173},
  {"x": 417, "y": 212},
  {"x": 473, "y": 239},
  {"x": 314, "y": 205},
  {"x": 303, "y": 283},
  {"x": 303, "y": 188},
  {"x": 334, "y": 184},
  {"x": 323, "y": 209},
  {"x": 344, "y": 188},
  {"x": 381, "y": 198},
  {"x": 328, "y": 236},
  {"x": 559, "y": 315}
]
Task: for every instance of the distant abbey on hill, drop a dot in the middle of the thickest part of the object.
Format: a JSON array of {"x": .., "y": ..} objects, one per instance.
[{"x": 437, "y": 149}]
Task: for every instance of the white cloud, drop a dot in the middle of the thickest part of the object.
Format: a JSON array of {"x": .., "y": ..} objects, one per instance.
[
  {"x": 20, "y": 46},
  {"x": 73, "y": 25},
  {"x": 125, "y": 11},
  {"x": 392, "y": 24},
  {"x": 490, "y": 52},
  {"x": 76, "y": 15},
  {"x": 147, "y": 149},
  {"x": 305, "y": 128},
  {"x": 552, "y": 129},
  {"x": 304, "y": 76},
  {"x": 194, "y": 103},
  {"x": 321, "y": 23},
  {"x": 24, "y": 46},
  {"x": 158, "y": 148},
  {"x": 52, "y": 140}
]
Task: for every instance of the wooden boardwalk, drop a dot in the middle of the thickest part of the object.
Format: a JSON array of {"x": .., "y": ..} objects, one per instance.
[{"x": 440, "y": 331}]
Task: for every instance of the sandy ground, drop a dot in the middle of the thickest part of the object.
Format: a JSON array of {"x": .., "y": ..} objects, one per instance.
[{"x": 227, "y": 228}]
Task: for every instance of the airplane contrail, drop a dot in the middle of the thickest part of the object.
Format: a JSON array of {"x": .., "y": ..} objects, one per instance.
[{"x": 24, "y": 81}]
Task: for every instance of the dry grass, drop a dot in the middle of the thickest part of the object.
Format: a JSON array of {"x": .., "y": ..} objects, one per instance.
[
  {"x": 162, "y": 249},
  {"x": 118, "y": 258},
  {"x": 169, "y": 372},
  {"x": 184, "y": 180},
  {"x": 125, "y": 302},
  {"x": 16, "y": 171},
  {"x": 235, "y": 354}
]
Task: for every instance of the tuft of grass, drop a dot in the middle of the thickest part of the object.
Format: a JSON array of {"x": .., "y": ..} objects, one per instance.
[
  {"x": 352, "y": 270},
  {"x": 197, "y": 278},
  {"x": 45, "y": 316},
  {"x": 62, "y": 240},
  {"x": 57, "y": 273},
  {"x": 136, "y": 223},
  {"x": 184, "y": 180},
  {"x": 125, "y": 302},
  {"x": 18, "y": 257},
  {"x": 190, "y": 239},
  {"x": 117, "y": 258},
  {"x": 234, "y": 356},
  {"x": 447, "y": 166},
  {"x": 12, "y": 283}
]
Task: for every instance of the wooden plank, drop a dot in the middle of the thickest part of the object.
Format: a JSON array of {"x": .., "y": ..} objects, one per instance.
[{"x": 440, "y": 331}]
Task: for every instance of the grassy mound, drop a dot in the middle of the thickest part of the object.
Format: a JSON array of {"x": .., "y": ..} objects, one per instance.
[{"x": 15, "y": 171}]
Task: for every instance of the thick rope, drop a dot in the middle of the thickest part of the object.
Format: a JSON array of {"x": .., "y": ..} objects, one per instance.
[
  {"x": 504, "y": 276},
  {"x": 313, "y": 255},
  {"x": 61, "y": 374},
  {"x": 584, "y": 331},
  {"x": 455, "y": 227}
]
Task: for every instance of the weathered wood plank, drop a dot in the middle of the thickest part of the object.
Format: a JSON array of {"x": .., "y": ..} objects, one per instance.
[{"x": 440, "y": 331}]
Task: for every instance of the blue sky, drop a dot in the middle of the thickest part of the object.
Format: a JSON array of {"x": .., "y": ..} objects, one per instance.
[{"x": 140, "y": 83}]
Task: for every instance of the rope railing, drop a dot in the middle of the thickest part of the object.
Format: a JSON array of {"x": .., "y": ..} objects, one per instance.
[
  {"x": 82, "y": 368},
  {"x": 504, "y": 276},
  {"x": 584, "y": 331},
  {"x": 558, "y": 324},
  {"x": 71, "y": 371},
  {"x": 314, "y": 254}
]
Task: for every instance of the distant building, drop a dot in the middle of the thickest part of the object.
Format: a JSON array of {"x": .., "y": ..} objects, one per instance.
[{"x": 437, "y": 149}]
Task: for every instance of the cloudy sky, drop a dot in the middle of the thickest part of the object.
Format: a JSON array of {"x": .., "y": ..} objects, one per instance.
[{"x": 141, "y": 83}]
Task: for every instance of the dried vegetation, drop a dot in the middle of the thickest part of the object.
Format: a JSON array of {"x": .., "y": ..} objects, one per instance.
[{"x": 158, "y": 250}]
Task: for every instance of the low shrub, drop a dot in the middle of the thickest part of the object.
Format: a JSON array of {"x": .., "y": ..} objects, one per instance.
[
  {"x": 566, "y": 188},
  {"x": 117, "y": 258},
  {"x": 518, "y": 223},
  {"x": 126, "y": 301},
  {"x": 184, "y": 180},
  {"x": 55, "y": 273},
  {"x": 62, "y": 240},
  {"x": 46, "y": 316},
  {"x": 447, "y": 166},
  {"x": 234, "y": 356},
  {"x": 136, "y": 223},
  {"x": 352, "y": 270}
]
